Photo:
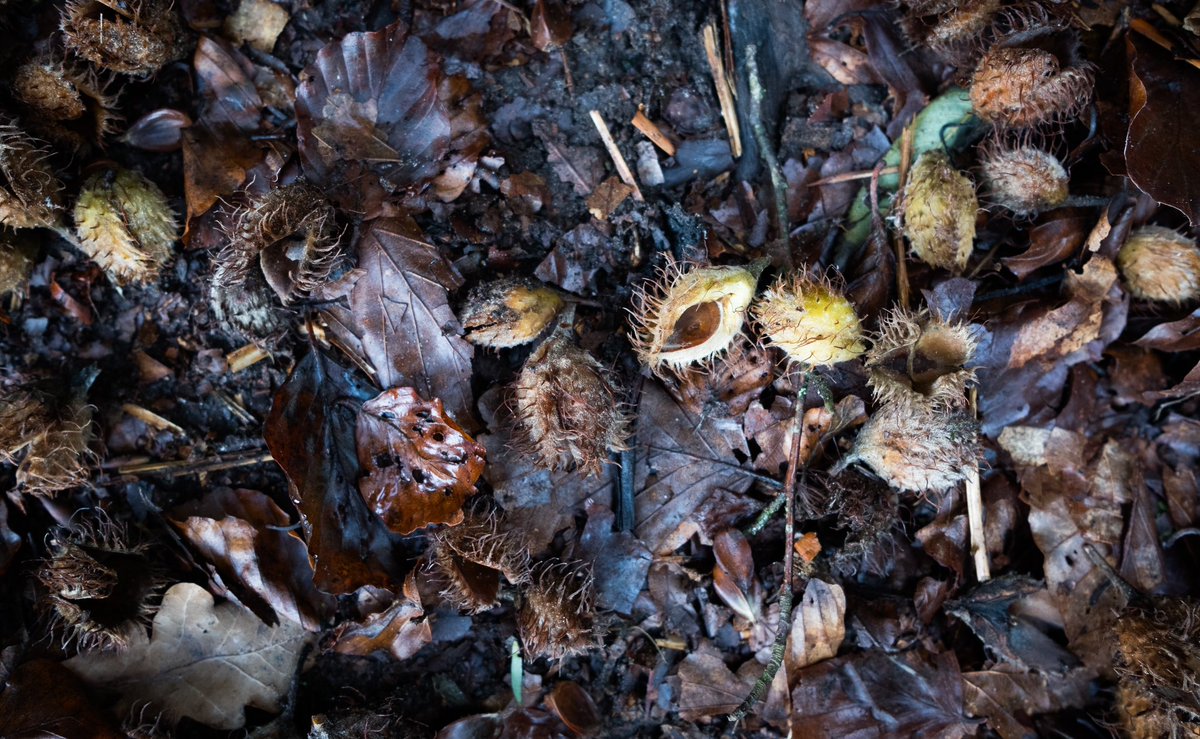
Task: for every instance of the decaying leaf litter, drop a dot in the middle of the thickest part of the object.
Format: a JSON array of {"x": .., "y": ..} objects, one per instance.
[{"x": 597, "y": 368}]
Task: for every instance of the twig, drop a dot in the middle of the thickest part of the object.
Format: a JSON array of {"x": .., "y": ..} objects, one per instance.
[
  {"x": 851, "y": 176},
  {"x": 785, "y": 588},
  {"x": 189, "y": 467},
  {"x": 618, "y": 159},
  {"x": 782, "y": 249},
  {"x": 724, "y": 90},
  {"x": 983, "y": 570},
  {"x": 906, "y": 151},
  {"x": 653, "y": 132}
]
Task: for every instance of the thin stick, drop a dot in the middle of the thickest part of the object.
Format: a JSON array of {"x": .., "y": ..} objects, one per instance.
[
  {"x": 622, "y": 166},
  {"x": 653, "y": 132},
  {"x": 906, "y": 150},
  {"x": 785, "y": 588},
  {"x": 724, "y": 90},
  {"x": 851, "y": 176},
  {"x": 782, "y": 249},
  {"x": 189, "y": 467},
  {"x": 983, "y": 570}
]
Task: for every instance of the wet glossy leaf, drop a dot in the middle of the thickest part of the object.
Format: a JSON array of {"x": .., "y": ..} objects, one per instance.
[
  {"x": 419, "y": 466},
  {"x": 1049, "y": 243},
  {"x": 370, "y": 104},
  {"x": 574, "y": 707},
  {"x": 400, "y": 630}
]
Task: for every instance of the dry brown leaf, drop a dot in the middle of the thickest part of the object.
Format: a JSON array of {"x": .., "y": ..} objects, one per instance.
[
  {"x": 204, "y": 662},
  {"x": 818, "y": 625},
  {"x": 708, "y": 688},
  {"x": 1073, "y": 326},
  {"x": 401, "y": 629},
  {"x": 1007, "y": 696},
  {"x": 419, "y": 465},
  {"x": 43, "y": 699}
]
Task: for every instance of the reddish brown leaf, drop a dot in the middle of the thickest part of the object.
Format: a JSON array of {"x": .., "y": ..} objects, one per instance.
[
  {"x": 240, "y": 532},
  {"x": 310, "y": 432},
  {"x": 574, "y": 707},
  {"x": 45, "y": 699},
  {"x": 419, "y": 465},
  {"x": 400, "y": 630},
  {"x": 1007, "y": 696},
  {"x": 1049, "y": 243},
  {"x": 370, "y": 104},
  {"x": 400, "y": 320},
  {"x": 1182, "y": 335},
  {"x": 549, "y": 25},
  {"x": 1161, "y": 152}
]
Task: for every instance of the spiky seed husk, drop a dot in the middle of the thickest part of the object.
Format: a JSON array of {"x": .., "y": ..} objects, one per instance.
[
  {"x": 915, "y": 448},
  {"x": 920, "y": 358},
  {"x": 472, "y": 557},
  {"x": 1158, "y": 669},
  {"x": 23, "y": 417},
  {"x": 70, "y": 105},
  {"x": 136, "y": 37},
  {"x": 57, "y": 459},
  {"x": 16, "y": 263},
  {"x": 124, "y": 224},
  {"x": 939, "y": 212},
  {"x": 240, "y": 297},
  {"x": 509, "y": 312},
  {"x": 954, "y": 31},
  {"x": 557, "y": 615},
  {"x": 568, "y": 414},
  {"x": 810, "y": 321},
  {"x": 1023, "y": 179},
  {"x": 1161, "y": 265},
  {"x": 44, "y": 84},
  {"x": 1021, "y": 88},
  {"x": 30, "y": 193},
  {"x": 689, "y": 314},
  {"x": 101, "y": 587}
]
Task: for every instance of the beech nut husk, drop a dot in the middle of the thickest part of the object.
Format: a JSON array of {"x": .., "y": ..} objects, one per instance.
[
  {"x": 1161, "y": 265},
  {"x": 472, "y": 557},
  {"x": 509, "y": 311},
  {"x": 810, "y": 321},
  {"x": 939, "y": 212},
  {"x": 30, "y": 192},
  {"x": 557, "y": 614},
  {"x": 135, "y": 37},
  {"x": 1023, "y": 179},
  {"x": 920, "y": 358},
  {"x": 124, "y": 223},
  {"x": 1016, "y": 87}
]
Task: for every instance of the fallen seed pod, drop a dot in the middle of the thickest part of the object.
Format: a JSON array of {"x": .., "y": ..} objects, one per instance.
[
  {"x": 810, "y": 321},
  {"x": 1023, "y": 179},
  {"x": 939, "y": 212},
  {"x": 914, "y": 448},
  {"x": 1157, "y": 667},
  {"x": 124, "y": 224},
  {"x": 30, "y": 193},
  {"x": 473, "y": 556},
  {"x": 954, "y": 31},
  {"x": 1161, "y": 265},
  {"x": 68, "y": 104},
  {"x": 101, "y": 588},
  {"x": 568, "y": 413},
  {"x": 49, "y": 444},
  {"x": 16, "y": 262},
  {"x": 1017, "y": 87},
  {"x": 509, "y": 312},
  {"x": 135, "y": 37},
  {"x": 690, "y": 315},
  {"x": 919, "y": 358},
  {"x": 557, "y": 614}
]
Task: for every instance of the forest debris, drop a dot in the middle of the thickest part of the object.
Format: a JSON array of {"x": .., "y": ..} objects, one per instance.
[
  {"x": 725, "y": 93},
  {"x": 150, "y": 418},
  {"x": 607, "y": 198},
  {"x": 648, "y": 168},
  {"x": 818, "y": 626},
  {"x": 246, "y": 356},
  {"x": 652, "y": 132},
  {"x": 618, "y": 159},
  {"x": 257, "y": 23},
  {"x": 400, "y": 629},
  {"x": 204, "y": 662}
]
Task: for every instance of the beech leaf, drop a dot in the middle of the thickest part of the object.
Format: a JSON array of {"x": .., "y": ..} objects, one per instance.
[{"x": 203, "y": 662}]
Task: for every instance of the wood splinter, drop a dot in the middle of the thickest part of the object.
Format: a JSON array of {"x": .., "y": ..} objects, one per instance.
[{"x": 623, "y": 170}]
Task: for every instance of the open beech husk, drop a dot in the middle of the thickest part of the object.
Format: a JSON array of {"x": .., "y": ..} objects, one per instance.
[
  {"x": 509, "y": 312},
  {"x": 568, "y": 413},
  {"x": 48, "y": 444},
  {"x": 1161, "y": 265},
  {"x": 689, "y": 315},
  {"x": 30, "y": 192},
  {"x": 810, "y": 321},
  {"x": 939, "y": 212},
  {"x": 919, "y": 358},
  {"x": 558, "y": 610},
  {"x": 474, "y": 555},
  {"x": 69, "y": 104}
]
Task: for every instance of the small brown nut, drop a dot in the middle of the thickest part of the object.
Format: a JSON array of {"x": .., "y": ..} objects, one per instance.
[
  {"x": 509, "y": 312},
  {"x": 135, "y": 37},
  {"x": 939, "y": 212},
  {"x": 1161, "y": 265},
  {"x": 568, "y": 413},
  {"x": 125, "y": 224}
]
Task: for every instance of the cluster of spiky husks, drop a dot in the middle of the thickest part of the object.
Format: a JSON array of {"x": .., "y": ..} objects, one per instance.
[
  {"x": 1158, "y": 669},
  {"x": 959, "y": 32},
  {"x": 568, "y": 413},
  {"x": 1161, "y": 265},
  {"x": 557, "y": 615},
  {"x": 281, "y": 247},
  {"x": 68, "y": 103},
  {"x": 30, "y": 193},
  {"x": 920, "y": 358},
  {"x": 689, "y": 315},
  {"x": 474, "y": 555},
  {"x": 810, "y": 321},
  {"x": 48, "y": 444},
  {"x": 125, "y": 224},
  {"x": 1018, "y": 87},
  {"x": 939, "y": 212},
  {"x": 101, "y": 587},
  {"x": 135, "y": 37},
  {"x": 509, "y": 311},
  {"x": 1022, "y": 178}
]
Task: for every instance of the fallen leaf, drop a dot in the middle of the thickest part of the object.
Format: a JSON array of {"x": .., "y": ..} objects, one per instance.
[
  {"x": 578, "y": 257},
  {"x": 818, "y": 626},
  {"x": 1007, "y": 697},
  {"x": 240, "y": 532},
  {"x": 369, "y": 104},
  {"x": 708, "y": 688},
  {"x": 575, "y": 708},
  {"x": 1073, "y": 326},
  {"x": 310, "y": 432},
  {"x": 619, "y": 561},
  {"x": 1182, "y": 335},
  {"x": 401, "y": 629},
  {"x": 400, "y": 320},
  {"x": 687, "y": 459},
  {"x": 478, "y": 30},
  {"x": 581, "y": 167},
  {"x": 550, "y": 25},
  {"x": 1161, "y": 157},
  {"x": 419, "y": 465},
  {"x": 203, "y": 662},
  {"x": 733, "y": 576},
  {"x": 43, "y": 699},
  {"x": 1049, "y": 243}
]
